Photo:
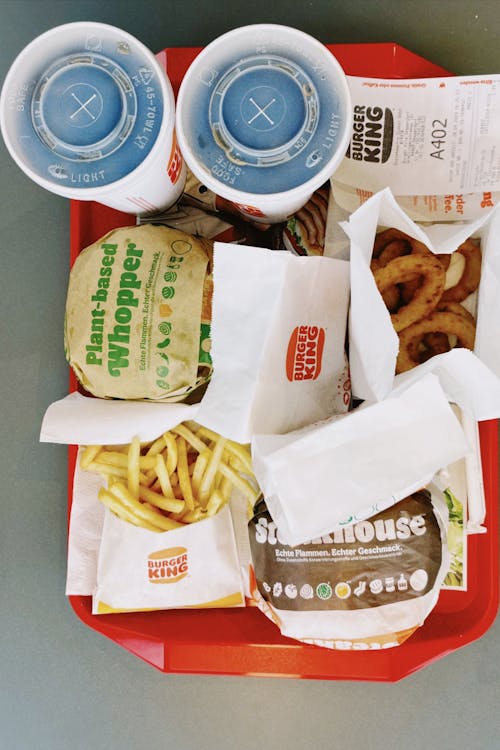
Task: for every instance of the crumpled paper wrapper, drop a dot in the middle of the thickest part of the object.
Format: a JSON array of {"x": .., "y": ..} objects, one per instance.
[{"x": 317, "y": 479}]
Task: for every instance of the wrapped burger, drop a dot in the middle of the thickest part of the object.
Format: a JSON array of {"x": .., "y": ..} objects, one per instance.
[
  {"x": 367, "y": 585},
  {"x": 138, "y": 312}
]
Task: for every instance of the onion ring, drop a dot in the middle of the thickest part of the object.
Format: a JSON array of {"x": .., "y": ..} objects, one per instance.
[
  {"x": 428, "y": 345},
  {"x": 469, "y": 280},
  {"x": 443, "y": 322},
  {"x": 382, "y": 239},
  {"x": 426, "y": 297},
  {"x": 394, "y": 249},
  {"x": 391, "y": 244},
  {"x": 391, "y": 295}
]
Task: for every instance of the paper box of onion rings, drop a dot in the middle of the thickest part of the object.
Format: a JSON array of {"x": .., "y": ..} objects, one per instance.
[{"x": 424, "y": 299}]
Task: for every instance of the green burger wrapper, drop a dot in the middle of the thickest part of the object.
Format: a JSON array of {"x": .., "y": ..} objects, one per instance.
[{"x": 137, "y": 322}]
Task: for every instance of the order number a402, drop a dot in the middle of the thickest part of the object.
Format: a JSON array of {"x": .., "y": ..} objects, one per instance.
[{"x": 438, "y": 138}]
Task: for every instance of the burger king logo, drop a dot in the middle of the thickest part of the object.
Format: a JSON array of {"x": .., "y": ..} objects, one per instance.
[
  {"x": 250, "y": 210},
  {"x": 174, "y": 166},
  {"x": 372, "y": 134},
  {"x": 168, "y": 565},
  {"x": 305, "y": 353}
]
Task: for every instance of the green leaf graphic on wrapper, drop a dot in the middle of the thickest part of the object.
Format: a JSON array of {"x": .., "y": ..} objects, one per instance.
[
  {"x": 165, "y": 328},
  {"x": 455, "y": 575}
]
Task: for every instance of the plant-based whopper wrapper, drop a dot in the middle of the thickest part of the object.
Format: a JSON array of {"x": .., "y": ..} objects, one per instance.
[{"x": 138, "y": 312}]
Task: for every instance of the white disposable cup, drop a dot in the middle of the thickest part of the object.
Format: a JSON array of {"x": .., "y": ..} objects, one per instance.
[
  {"x": 87, "y": 112},
  {"x": 264, "y": 118}
]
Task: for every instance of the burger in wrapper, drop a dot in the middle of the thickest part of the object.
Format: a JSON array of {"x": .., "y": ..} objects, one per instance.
[
  {"x": 368, "y": 585},
  {"x": 304, "y": 232},
  {"x": 138, "y": 311}
]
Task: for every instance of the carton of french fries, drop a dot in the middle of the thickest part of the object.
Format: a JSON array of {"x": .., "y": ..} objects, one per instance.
[{"x": 165, "y": 518}]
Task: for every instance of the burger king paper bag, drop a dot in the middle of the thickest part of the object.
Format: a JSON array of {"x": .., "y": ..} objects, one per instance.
[
  {"x": 470, "y": 376},
  {"x": 317, "y": 479},
  {"x": 194, "y": 566},
  {"x": 278, "y": 342}
]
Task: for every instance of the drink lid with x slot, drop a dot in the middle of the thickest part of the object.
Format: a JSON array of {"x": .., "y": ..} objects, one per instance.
[
  {"x": 263, "y": 109},
  {"x": 83, "y": 106}
]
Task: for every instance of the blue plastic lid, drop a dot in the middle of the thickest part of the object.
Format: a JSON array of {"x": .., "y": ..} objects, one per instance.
[
  {"x": 90, "y": 116},
  {"x": 261, "y": 123}
]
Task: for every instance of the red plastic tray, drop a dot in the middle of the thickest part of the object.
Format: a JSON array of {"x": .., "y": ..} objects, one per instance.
[{"x": 243, "y": 641}]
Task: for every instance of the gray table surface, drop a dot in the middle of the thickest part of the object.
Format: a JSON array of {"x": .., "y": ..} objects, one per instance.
[{"x": 64, "y": 686}]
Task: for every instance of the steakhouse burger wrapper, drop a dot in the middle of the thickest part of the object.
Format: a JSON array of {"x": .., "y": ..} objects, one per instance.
[
  {"x": 138, "y": 314},
  {"x": 366, "y": 586}
]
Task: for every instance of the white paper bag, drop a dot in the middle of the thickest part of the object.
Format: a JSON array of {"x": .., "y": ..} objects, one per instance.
[
  {"x": 317, "y": 479},
  {"x": 278, "y": 333},
  {"x": 469, "y": 379}
]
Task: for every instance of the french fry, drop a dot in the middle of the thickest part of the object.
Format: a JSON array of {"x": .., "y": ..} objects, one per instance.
[
  {"x": 106, "y": 469},
  {"x": 114, "y": 458},
  {"x": 212, "y": 467},
  {"x": 235, "y": 449},
  {"x": 156, "y": 447},
  {"x": 190, "y": 437},
  {"x": 242, "y": 484},
  {"x": 139, "y": 509},
  {"x": 226, "y": 488},
  {"x": 215, "y": 503},
  {"x": 171, "y": 452},
  {"x": 113, "y": 503},
  {"x": 133, "y": 467},
  {"x": 163, "y": 477},
  {"x": 117, "y": 448},
  {"x": 192, "y": 516},
  {"x": 183, "y": 473},
  {"x": 170, "y": 504},
  {"x": 88, "y": 455},
  {"x": 199, "y": 470}
]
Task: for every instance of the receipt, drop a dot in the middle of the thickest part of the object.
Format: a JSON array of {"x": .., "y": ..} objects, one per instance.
[{"x": 435, "y": 142}]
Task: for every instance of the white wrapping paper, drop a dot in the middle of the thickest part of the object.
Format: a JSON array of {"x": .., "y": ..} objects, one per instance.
[
  {"x": 319, "y": 478},
  {"x": 472, "y": 380},
  {"x": 265, "y": 303}
]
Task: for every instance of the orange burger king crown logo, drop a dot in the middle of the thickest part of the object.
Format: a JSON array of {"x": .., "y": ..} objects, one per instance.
[
  {"x": 168, "y": 565},
  {"x": 305, "y": 353}
]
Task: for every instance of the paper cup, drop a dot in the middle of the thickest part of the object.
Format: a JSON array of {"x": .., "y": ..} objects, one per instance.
[
  {"x": 264, "y": 118},
  {"x": 87, "y": 112}
]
